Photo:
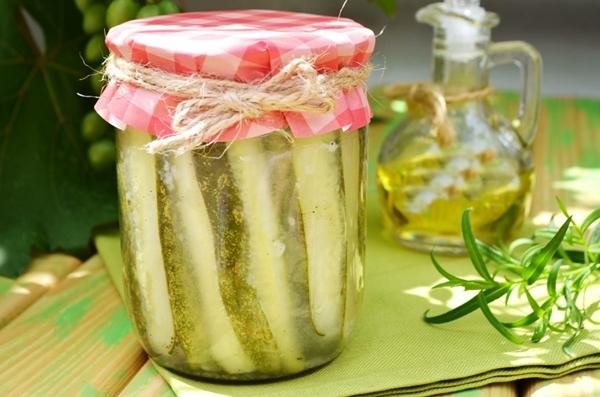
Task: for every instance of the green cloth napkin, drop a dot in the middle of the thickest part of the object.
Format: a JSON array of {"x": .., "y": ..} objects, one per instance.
[{"x": 392, "y": 351}]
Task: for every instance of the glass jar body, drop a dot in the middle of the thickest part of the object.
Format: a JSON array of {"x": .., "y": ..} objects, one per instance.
[{"x": 244, "y": 261}]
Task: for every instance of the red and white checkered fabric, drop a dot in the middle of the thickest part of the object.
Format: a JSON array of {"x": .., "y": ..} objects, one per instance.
[{"x": 246, "y": 46}]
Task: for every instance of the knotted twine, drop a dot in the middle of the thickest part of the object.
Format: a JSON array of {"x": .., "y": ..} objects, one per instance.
[
  {"x": 210, "y": 106},
  {"x": 434, "y": 101}
]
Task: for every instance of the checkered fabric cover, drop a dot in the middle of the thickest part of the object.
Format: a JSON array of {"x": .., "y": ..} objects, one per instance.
[{"x": 246, "y": 46}]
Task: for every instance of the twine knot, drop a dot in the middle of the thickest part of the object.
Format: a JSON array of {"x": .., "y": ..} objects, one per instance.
[
  {"x": 433, "y": 100},
  {"x": 210, "y": 106}
]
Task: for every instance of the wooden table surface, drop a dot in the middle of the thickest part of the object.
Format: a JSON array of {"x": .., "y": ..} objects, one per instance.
[{"x": 64, "y": 330}]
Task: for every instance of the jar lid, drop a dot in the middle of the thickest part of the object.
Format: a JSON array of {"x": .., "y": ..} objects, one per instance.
[{"x": 245, "y": 46}]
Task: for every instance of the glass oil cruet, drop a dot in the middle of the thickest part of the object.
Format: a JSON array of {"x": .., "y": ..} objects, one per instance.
[{"x": 454, "y": 151}]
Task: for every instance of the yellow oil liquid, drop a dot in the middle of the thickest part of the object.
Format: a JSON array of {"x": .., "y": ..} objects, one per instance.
[{"x": 425, "y": 195}]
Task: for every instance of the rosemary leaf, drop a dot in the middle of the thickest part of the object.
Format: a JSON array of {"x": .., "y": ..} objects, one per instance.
[
  {"x": 562, "y": 207},
  {"x": 534, "y": 305},
  {"x": 568, "y": 345},
  {"x": 560, "y": 262},
  {"x": 472, "y": 248},
  {"x": 539, "y": 332},
  {"x": 518, "y": 243},
  {"x": 552, "y": 277},
  {"x": 496, "y": 255},
  {"x": 541, "y": 258},
  {"x": 590, "y": 219},
  {"x": 468, "y": 307},
  {"x": 457, "y": 281},
  {"x": 523, "y": 321},
  {"x": 483, "y": 304}
]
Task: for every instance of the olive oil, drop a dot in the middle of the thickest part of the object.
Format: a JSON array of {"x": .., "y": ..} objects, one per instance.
[{"x": 424, "y": 197}]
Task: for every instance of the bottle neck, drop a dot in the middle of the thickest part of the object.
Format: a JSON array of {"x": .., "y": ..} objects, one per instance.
[{"x": 460, "y": 67}]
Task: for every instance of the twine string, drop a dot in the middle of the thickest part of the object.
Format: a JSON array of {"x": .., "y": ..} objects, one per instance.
[
  {"x": 209, "y": 106},
  {"x": 434, "y": 101}
]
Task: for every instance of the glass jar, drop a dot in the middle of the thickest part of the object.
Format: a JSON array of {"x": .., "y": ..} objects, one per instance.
[
  {"x": 244, "y": 260},
  {"x": 241, "y": 175},
  {"x": 426, "y": 181}
]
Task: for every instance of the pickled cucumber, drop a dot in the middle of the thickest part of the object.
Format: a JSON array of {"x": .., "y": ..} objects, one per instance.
[
  {"x": 184, "y": 294},
  {"x": 320, "y": 186},
  {"x": 278, "y": 147},
  {"x": 351, "y": 155},
  {"x": 197, "y": 243},
  {"x": 224, "y": 207},
  {"x": 267, "y": 272},
  {"x": 144, "y": 270}
]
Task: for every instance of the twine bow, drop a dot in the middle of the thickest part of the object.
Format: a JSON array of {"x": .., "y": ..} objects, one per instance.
[
  {"x": 433, "y": 100},
  {"x": 210, "y": 106}
]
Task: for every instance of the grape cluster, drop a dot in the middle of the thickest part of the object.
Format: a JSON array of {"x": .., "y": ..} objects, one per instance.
[{"x": 98, "y": 15}]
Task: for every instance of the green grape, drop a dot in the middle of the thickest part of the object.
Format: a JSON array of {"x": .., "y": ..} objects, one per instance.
[
  {"x": 93, "y": 19},
  {"x": 93, "y": 127},
  {"x": 120, "y": 11},
  {"x": 95, "y": 49},
  {"x": 150, "y": 10},
  {"x": 102, "y": 154},
  {"x": 83, "y": 5},
  {"x": 168, "y": 7},
  {"x": 96, "y": 82}
]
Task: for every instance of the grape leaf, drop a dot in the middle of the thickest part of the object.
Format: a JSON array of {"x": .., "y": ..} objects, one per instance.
[
  {"x": 388, "y": 6},
  {"x": 50, "y": 198}
]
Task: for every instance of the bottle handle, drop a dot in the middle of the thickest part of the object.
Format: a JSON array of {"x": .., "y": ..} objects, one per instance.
[{"x": 528, "y": 59}]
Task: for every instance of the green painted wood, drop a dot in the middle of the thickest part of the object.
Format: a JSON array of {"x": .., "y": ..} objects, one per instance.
[
  {"x": 44, "y": 273},
  {"x": 5, "y": 285},
  {"x": 75, "y": 340},
  {"x": 566, "y": 151}
]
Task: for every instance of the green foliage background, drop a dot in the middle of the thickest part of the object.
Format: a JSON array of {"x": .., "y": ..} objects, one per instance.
[
  {"x": 388, "y": 6},
  {"x": 50, "y": 198}
]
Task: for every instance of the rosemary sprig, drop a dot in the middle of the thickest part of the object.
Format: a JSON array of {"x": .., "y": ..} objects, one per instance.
[{"x": 563, "y": 262}]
